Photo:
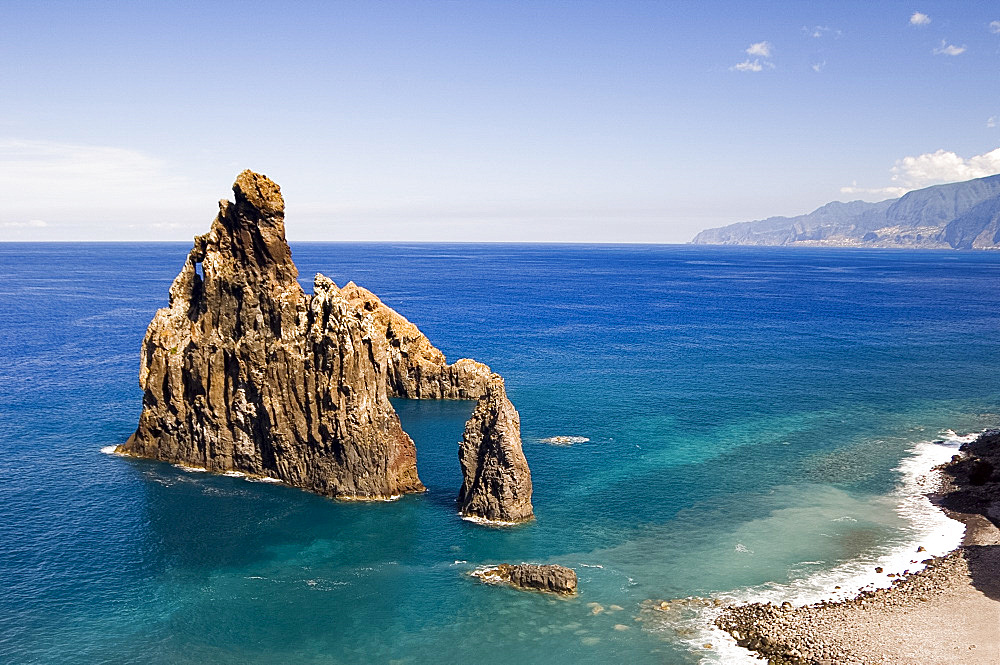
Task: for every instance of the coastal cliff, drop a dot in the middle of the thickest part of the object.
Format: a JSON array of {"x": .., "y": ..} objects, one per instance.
[
  {"x": 497, "y": 485},
  {"x": 245, "y": 372},
  {"x": 959, "y": 215}
]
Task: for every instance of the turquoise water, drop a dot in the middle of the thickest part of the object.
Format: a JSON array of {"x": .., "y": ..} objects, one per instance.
[{"x": 747, "y": 410}]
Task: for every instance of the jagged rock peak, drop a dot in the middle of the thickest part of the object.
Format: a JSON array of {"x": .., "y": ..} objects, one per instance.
[
  {"x": 258, "y": 192},
  {"x": 497, "y": 480},
  {"x": 414, "y": 367},
  {"x": 245, "y": 372}
]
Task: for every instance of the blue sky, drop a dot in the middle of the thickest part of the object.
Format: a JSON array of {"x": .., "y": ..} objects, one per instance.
[{"x": 521, "y": 121}]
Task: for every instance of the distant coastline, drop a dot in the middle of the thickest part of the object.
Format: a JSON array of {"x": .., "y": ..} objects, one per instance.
[{"x": 962, "y": 215}]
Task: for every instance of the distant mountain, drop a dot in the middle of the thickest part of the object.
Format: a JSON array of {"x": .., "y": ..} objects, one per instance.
[{"x": 960, "y": 215}]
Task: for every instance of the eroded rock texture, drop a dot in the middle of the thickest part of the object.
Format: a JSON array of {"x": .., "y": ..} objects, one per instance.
[
  {"x": 531, "y": 577},
  {"x": 497, "y": 481},
  {"x": 245, "y": 372},
  {"x": 414, "y": 367}
]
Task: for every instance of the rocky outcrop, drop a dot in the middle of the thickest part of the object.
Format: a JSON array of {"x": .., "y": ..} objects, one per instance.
[
  {"x": 532, "y": 577},
  {"x": 244, "y": 371},
  {"x": 413, "y": 367},
  {"x": 497, "y": 481},
  {"x": 975, "y": 478}
]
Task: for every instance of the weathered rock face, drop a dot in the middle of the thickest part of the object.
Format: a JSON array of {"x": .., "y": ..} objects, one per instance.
[
  {"x": 975, "y": 476},
  {"x": 497, "y": 481},
  {"x": 244, "y": 371},
  {"x": 533, "y": 577},
  {"x": 414, "y": 368}
]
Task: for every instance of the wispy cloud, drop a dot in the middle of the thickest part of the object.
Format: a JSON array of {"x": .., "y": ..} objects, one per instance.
[
  {"x": 818, "y": 66},
  {"x": 820, "y": 31},
  {"x": 747, "y": 66},
  {"x": 762, "y": 49},
  {"x": 873, "y": 192},
  {"x": 74, "y": 184},
  {"x": 991, "y": 122},
  {"x": 995, "y": 27},
  {"x": 31, "y": 223},
  {"x": 919, "y": 18},
  {"x": 949, "y": 49}
]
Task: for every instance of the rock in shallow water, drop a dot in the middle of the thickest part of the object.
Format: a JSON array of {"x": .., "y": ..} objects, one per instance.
[{"x": 534, "y": 577}]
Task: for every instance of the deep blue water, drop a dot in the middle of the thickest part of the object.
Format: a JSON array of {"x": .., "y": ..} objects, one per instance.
[{"x": 746, "y": 410}]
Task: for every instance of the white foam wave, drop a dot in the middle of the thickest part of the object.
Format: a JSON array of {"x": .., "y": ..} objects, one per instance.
[
  {"x": 111, "y": 450},
  {"x": 564, "y": 440},
  {"x": 486, "y": 522},
  {"x": 191, "y": 469},
  {"x": 928, "y": 527},
  {"x": 488, "y": 574},
  {"x": 951, "y": 437}
]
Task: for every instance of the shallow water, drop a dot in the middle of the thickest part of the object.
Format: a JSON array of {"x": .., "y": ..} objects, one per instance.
[{"x": 751, "y": 415}]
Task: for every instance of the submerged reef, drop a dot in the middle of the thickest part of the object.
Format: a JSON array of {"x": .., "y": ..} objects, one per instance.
[{"x": 244, "y": 371}]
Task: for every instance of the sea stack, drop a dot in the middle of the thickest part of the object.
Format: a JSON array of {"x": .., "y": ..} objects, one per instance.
[
  {"x": 497, "y": 481},
  {"x": 245, "y": 372}
]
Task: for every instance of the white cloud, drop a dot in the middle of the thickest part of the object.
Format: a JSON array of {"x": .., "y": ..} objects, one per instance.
[
  {"x": 818, "y": 66},
  {"x": 949, "y": 49},
  {"x": 919, "y": 18},
  {"x": 934, "y": 168},
  {"x": 747, "y": 66},
  {"x": 931, "y": 168},
  {"x": 991, "y": 122},
  {"x": 762, "y": 49},
  {"x": 995, "y": 27}
]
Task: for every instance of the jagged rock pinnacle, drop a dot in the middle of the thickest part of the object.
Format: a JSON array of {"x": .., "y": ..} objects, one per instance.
[{"x": 497, "y": 485}]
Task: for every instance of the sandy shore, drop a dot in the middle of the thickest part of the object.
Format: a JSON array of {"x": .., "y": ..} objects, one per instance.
[{"x": 946, "y": 614}]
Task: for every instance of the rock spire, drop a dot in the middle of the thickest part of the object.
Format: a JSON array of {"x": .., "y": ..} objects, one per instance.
[{"x": 497, "y": 481}]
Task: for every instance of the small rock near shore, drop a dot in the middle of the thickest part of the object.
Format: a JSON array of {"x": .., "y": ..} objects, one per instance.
[{"x": 548, "y": 578}]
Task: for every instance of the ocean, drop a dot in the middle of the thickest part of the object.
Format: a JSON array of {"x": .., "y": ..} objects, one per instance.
[{"x": 747, "y": 423}]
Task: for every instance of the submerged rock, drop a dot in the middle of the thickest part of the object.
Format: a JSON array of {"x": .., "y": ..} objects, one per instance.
[
  {"x": 549, "y": 578},
  {"x": 497, "y": 480},
  {"x": 244, "y": 371}
]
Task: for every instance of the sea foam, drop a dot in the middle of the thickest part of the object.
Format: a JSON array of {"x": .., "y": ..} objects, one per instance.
[
  {"x": 928, "y": 527},
  {"x": 563, "y": 440}
]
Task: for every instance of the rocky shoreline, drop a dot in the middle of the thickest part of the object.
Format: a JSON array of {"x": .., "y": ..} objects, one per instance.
[{"x": 949, "y": 612}]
